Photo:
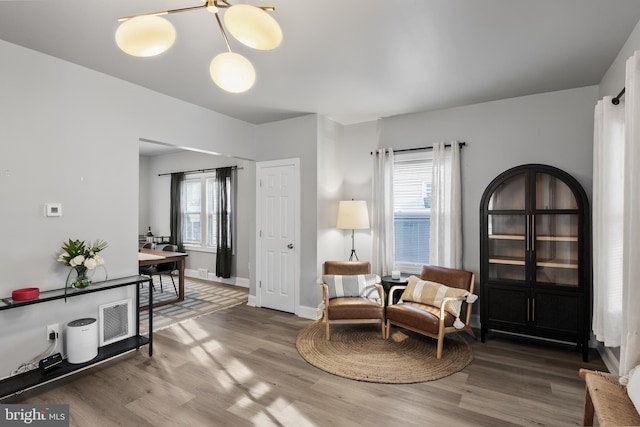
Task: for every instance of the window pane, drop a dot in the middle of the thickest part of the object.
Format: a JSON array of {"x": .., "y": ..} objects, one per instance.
[
  {"x": 411, "y": 239},
  {"x": 412, "y": 207},
  {"x": 191, "y": 220}
]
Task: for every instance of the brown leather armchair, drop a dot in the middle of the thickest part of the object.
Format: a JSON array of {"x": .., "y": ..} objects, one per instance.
[
  {"x": 428, "y": 320},
  {"x": 351, "y": 309}
]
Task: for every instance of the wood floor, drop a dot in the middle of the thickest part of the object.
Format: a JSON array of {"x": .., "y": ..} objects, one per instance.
[{"x": 240, "y": 367}]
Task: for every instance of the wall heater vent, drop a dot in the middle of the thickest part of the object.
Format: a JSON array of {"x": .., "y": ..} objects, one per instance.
[{"x": 116, "y": 321}]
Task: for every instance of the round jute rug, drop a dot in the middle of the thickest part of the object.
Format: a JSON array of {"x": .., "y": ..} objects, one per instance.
[{"x": 357, "y": 351}]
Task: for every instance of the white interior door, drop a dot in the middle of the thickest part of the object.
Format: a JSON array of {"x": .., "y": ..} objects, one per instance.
[{"x": 278, "y": 229}]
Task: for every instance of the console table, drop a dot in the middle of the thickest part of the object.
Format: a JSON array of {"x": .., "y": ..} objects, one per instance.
[{"x": 35, "y": 377}]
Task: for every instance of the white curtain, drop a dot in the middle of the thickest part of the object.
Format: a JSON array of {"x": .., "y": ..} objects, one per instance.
[
  {"x": 445, "y": 239},
  {"x": 630, "y": 346},
  {"x": 382, "y": 212},
  {"x": 608, "y": 184}
]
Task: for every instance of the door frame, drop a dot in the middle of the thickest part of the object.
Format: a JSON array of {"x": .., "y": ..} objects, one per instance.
[{"x": 295, "y": 162}]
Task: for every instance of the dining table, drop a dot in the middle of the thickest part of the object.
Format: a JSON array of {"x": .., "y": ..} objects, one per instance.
[{"x": 154, "y": 257}]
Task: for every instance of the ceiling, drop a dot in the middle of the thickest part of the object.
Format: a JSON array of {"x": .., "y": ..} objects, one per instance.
[{"x": 351, "y": 60}]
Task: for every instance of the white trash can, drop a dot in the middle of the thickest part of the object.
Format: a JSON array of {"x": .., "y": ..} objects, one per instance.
[{"x": 82, "y": 340}]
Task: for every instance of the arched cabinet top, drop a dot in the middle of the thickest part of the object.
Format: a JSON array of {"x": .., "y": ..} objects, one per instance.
[{"x": 546, "y": 188}]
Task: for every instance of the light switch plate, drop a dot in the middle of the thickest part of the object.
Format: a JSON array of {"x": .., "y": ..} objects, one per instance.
[{"x": 53, "y": 209}]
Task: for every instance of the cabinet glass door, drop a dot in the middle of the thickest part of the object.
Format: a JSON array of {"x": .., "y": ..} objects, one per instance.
[
  {"x": 507, "y": 247},
  {"x": 552, "y": 193},
  {"x": 556, "y": 246},
  {"x": 510, "y": 194}
]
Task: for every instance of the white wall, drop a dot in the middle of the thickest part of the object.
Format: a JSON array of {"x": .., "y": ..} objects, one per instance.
[
  {"x": 613, "y": 81},
  {"x": 159, "y": 200},
  {"x": 359, "y": 141},
  {"x": 144, "y": 221},
  {"x": 296, "y": 138},
  {"x": 70, "y": 135},
  {"x": 552, "y": 128},
  {"x": 344, "y": 173},
  {"x": 331, "y": 177}
]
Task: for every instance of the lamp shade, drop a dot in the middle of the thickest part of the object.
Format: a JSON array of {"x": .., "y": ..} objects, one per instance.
[
  {"x": 353, "y": 214},
  {"x": 232, "y": 72},
  {"x": 146, "y": 35},
  {"x": 253, "y": 27}
]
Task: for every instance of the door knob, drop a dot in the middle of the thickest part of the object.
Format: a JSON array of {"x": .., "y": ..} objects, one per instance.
[{"x": 290, "y": 245}]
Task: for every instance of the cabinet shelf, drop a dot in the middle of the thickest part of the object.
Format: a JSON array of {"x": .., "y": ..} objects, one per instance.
[
  {"x": 35, "y": 377},
  {"x": 557, "y": 264},
  {"x": 507, "y": 261},
  {"x": 557, "y": 238},
  {"x": 507, "y": 237}
]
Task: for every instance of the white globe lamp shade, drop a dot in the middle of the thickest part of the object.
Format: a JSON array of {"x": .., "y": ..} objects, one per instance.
[
  {"x": 232, "y": 72},
  {"x": 145, "y": 36},
  {"x": 253, "y": 27}
]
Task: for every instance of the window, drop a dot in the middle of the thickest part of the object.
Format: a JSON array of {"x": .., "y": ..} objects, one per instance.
[
  {"x": 199, "y": 212},
  {"x": 412, "y": 209},
  {"x": 191, "y": 208}
]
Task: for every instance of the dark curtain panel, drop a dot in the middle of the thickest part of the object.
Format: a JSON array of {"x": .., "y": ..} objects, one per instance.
[
  {"x": 224, "y": 215},
  {"x": 176, "y": 210}
]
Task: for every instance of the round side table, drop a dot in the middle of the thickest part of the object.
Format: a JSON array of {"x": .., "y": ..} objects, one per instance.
[{"x": 388, "y": 282}]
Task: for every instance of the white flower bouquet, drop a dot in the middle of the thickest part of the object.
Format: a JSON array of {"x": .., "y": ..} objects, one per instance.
[{"x": 82, "y": 258}]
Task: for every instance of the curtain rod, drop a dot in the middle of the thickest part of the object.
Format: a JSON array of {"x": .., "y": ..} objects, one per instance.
[
  {"x": 616, "y": 100},
  {"x": 199, "y": 171},
  {"x": 460, "y": 144}
]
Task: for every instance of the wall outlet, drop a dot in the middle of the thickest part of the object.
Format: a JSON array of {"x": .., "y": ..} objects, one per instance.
[{"x": 54, "y": 327}]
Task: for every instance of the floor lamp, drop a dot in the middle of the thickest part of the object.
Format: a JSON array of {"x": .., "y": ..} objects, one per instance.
[{"x": 352, "y": 215}]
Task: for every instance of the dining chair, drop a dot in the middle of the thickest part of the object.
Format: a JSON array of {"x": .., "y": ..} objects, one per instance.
[
  {"x": 164, "y": 268},
  {"x": 147, "y": 269}
]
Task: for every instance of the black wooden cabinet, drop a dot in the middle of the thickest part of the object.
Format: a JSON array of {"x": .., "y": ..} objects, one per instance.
[{"x": 536, "y": 256}]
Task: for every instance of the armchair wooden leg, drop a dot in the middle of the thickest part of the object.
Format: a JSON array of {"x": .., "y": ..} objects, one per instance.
[
  {"x": 440, "y": 338},
  {"x": 588, "y": 409},
  {"x": 440, "y": 342},
  {"x": 468, "y": 330},
  {"x": 326, "y": 323}
]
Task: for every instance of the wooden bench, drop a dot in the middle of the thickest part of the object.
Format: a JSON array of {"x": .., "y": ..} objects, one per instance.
[{"x": 606, "y": 397}]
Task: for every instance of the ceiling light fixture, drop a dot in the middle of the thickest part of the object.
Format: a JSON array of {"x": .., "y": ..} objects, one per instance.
[{"x": 149, "y": 34}]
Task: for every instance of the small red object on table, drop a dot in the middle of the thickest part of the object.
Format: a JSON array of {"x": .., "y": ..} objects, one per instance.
[{"x": 25, "y": 294}]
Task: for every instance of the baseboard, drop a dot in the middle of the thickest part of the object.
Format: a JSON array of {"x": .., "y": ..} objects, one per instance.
[
  {"x": 236, "y": 281},
  {"x": 609, "y": 358},
  {"x": 312, "y": 313}
]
